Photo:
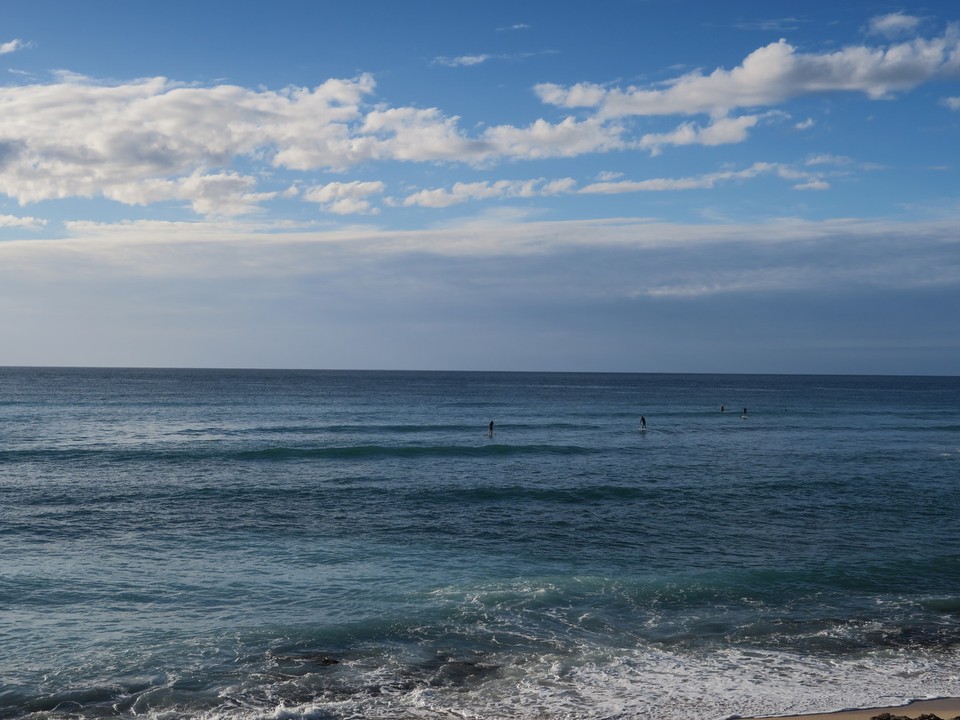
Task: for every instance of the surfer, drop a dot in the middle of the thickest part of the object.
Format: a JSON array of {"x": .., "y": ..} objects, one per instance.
[
  {"x": 721, "y": 408},
  {"x": 490, "y": 429},
  {"x": 643, "y": 423}
]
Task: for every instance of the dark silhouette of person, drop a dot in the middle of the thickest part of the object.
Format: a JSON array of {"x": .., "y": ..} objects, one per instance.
[
  {"x": 643, "y": 423},
  {"x": 490, "y": 429}
]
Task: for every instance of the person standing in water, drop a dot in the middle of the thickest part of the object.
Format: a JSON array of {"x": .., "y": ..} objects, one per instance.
[
  {"x": 490, "y": 429},
  {"x": 643, "y": 423}
]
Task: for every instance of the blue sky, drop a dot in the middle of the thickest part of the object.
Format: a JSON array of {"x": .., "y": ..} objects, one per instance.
[{"x": 651, "y": 186}]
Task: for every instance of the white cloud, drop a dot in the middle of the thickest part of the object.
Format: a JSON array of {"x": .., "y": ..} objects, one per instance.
[
  {"x": 350, "y": 198},
  {"x": 480, "y": 58},
  {"x": 70, "y": 77},
  {"x": 805, "y": 124},
  {"x": 575, "y": 96},
  {"x": 722, "y": 131},
  {"x": 501, "y": 189},
  {"x": 652, "y": 185},
  {"x": 214, "y": 194},
  {"x": 893, "y": 24},
  {"x": 952, "y": 102},
  {"x": 140, "y": 140},
  {"x": 12, "y": 46},
  {"x": 828, "y": 159},
  {"x": 155, "y": 140},
  {"x": 697, "y": 182},
  {"x": 151, "y": 140},
  {"x": 813, "y": 185},
  {"x": 415, "y": 135},
  {"x": 607, "y": 184},
  {"x": 462, "y": 60},
  {"x": 7, "y": 221},
  {"x": 771, "y": 75},
  {"x": 542, "y": 139}
]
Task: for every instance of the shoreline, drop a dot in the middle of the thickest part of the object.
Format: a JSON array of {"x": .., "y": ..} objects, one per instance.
[{"x": 944, "y": 708}]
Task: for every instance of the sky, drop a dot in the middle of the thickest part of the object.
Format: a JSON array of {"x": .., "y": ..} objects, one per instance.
[{"x": 643, "y": 186}]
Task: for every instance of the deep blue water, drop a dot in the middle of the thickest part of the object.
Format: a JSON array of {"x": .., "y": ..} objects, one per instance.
[{"x": 281, "y": 544}]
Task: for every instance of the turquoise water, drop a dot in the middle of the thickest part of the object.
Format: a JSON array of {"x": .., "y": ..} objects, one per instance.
[{"x": 276, "y": 544}]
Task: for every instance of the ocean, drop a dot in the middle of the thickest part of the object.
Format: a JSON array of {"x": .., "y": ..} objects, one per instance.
[{"x": 331, "y": 545}]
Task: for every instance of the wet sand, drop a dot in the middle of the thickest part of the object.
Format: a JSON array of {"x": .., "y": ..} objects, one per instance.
[{"x": 944, "y": 708}]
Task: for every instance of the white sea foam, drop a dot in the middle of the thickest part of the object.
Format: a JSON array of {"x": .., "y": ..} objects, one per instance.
[
  {"x": 740, "y": 682},
  {"x": 644, "y": 684}
]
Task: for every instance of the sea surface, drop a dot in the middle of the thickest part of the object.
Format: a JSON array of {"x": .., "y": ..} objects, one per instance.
[{"x": 299, "y": 544}]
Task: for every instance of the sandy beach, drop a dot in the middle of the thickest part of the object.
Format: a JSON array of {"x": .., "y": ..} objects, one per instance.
[{"x": 944, "y": 708}]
